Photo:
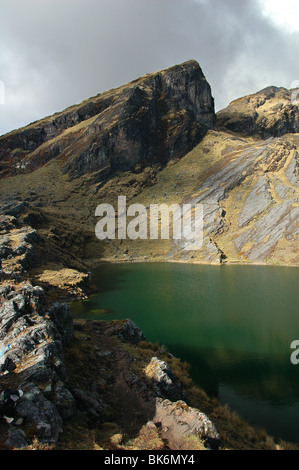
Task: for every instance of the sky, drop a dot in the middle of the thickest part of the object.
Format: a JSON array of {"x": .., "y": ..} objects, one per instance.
[{"x": 55, "y": 53}]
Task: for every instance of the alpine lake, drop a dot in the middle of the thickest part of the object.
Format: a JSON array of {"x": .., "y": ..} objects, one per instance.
[{"x": 233, "y": 324}]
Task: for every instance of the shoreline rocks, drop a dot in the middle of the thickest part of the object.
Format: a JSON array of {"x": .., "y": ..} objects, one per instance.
[
  {"x": 35, "y": 394},
  {"x": 35, "y": 359}
]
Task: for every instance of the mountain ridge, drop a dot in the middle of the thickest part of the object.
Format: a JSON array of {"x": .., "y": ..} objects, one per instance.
[
  {"x": 241, "y": 164},
  {"x": 163, "y": 105},
  {"x": 245, "y": 178}
]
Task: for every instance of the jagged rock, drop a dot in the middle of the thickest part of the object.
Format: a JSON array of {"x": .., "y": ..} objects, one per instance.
[
  {"x": 64, "y": 400},
  {"x": 137, "y": 385},
  {"x": 126, "y": 330},
  {"x": 270, "y": 112},
  {"x": 15, "y": 210},
  {"x": 18, "y": 242},
  {"x": 149, "y": 121},
  {"x": 17, "y": 438},
  {"x": 37, "y": 409},
  {"x": 61, "y": 315},
  {"x": 36, "y": 348},
  {"x": 164, "y": 380},
  {"x": 105, "y": 354},
  {"x": 178, "y": 421}
]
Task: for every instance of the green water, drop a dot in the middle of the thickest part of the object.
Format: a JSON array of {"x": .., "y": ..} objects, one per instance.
[{"x": 233, "y": 324}]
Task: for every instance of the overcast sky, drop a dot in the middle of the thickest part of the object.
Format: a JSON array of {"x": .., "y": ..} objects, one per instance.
[{"x": 54, "y": 53}]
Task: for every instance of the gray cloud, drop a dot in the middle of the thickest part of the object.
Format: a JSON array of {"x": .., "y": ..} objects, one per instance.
[{"x": 55, "y": 53}]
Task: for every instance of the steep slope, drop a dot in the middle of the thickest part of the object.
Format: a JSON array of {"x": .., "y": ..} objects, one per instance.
[
  {"x": 148, "y": 121},
  {"x": 154, "y": 141},
  {"x": 250, "y": 199},
  {"x": 254, "y": 193}
]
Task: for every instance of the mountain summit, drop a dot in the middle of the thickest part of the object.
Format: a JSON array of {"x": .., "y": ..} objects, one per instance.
[
  {"x": 149, "y": 121},
  {"x": 158, "y": 140}
]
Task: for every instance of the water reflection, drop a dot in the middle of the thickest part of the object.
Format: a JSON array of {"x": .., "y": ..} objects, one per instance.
[{"x": 233, "y": 324}]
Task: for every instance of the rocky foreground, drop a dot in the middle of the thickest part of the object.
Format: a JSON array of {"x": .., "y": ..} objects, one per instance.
[
  {"x": 33, "y": 371},
  {"x": 36, "y": 394}
]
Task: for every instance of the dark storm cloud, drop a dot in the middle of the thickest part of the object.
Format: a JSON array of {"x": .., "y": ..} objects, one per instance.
[{"x": 54, "y": 53}]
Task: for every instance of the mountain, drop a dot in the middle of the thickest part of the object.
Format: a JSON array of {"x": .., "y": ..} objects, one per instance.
[
  {"x": 154, "y": 140},
  {"x": 149, "y": 121},
  {"x": 158, "y": 140}
]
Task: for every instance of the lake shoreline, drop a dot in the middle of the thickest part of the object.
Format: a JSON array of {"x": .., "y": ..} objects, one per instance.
[{"x": 96, "y": 263}]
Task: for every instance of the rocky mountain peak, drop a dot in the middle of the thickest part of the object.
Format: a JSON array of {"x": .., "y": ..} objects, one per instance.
[
  {"x": 151, "y": 120},
  {"x": 271, "y": 112},
  {"x": 153, "y": 140}
]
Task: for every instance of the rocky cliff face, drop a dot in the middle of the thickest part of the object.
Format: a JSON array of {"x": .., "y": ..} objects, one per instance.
[
  {"x": 154, "y": 140},
  {"x": 150, "y": 121},
  {"x": 269, "y": 113},
  {"x": 250, "y": 202}
]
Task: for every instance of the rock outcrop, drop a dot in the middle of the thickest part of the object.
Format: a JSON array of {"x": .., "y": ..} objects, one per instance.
[
  {"x": 250, "y": 203},
  {"x": 271, "y": 112},
  {"x": 33, "y": 361},
  {"x": 165, "y": 383},
  {"x": 147, "y": 122}
]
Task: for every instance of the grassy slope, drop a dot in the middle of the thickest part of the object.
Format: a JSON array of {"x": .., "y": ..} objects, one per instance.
[{"x": 68, "y": 205}]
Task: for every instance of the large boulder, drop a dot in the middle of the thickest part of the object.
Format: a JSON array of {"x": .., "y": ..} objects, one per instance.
[
  {"x": 164, "y": 381},
  {"x": 61, "y": 315},
  {"x": 180, "y": 421},
  {"x": 126, "y": 330}
]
